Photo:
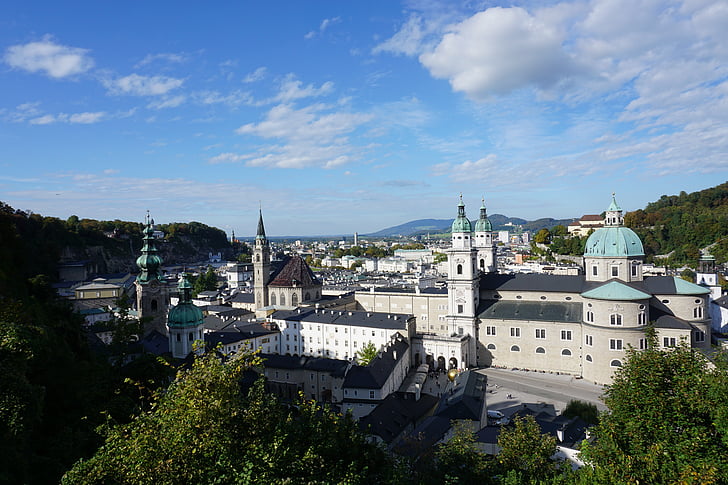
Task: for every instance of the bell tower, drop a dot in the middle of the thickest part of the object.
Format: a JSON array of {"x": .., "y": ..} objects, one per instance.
[
  {"x": 151, "y": 290},
  {"x": 261, "y": 265},
  {"x": 463, "y": 283}
]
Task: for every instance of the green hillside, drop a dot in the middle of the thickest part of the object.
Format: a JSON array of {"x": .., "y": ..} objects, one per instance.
[{"x": 681, "y": 225}]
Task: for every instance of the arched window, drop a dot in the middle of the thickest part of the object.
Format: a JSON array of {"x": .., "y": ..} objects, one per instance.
[
  {"x": 515, "y": 348},
  {"x": 257, "y": 257},
  {"x": 590, "y": 316},
  {"x": 615, "y": 363},
  {"x": 588, "y": 358},
  {"x": 272, "y": 298},
  {"x": 491, "y": 347},
  {"x": 540, "y": 350},
  {"x": 308, "y": 296},
  {"x": 482, "y": 264},
  {"x": 698, "y": 312},
  {"x": 460, "y": 269},
  {"x": 615, "y": 319},
  {"x": 566, "y": 353},
  {"x": 294, "y": 299},
  {"x": 283, "y": 299}
]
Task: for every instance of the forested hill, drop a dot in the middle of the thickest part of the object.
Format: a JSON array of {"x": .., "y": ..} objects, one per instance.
[
  {"x": 681, "y": 225},
  {"x": 34, "y": 244}
]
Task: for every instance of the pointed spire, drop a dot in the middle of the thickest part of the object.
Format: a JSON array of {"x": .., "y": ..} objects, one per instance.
[
  {"x": 261, "y": 228},
  {"x": 149, "y": 262},
  {"x": 613, "y": 216},
  {"x": 185, "y": 289},
  {"x": 483, "y": 224}
]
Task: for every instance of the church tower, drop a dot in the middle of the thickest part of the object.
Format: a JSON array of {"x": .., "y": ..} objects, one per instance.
[
  {"x": 261, "y": 265},
  {"x": 463, "y": 283},
  {"x": 484, "y": 243},
  {"x": 151, "y": 290},
  {"x": 185, "y": 322}
]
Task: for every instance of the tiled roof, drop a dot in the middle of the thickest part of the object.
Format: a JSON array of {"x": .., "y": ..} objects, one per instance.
[{"x": 294, "y": 272}]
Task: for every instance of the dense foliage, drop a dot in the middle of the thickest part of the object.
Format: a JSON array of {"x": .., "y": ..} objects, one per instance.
[
  {"x": 203, "y": 429},
  {"x": 682, "y": 224}
]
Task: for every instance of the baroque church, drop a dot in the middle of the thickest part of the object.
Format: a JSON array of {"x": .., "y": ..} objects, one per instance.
[{"x": 579, "y": 325}]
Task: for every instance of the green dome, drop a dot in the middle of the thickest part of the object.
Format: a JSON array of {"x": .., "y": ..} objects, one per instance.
[
  {"x": 613, "y": 242},
  {"x": 483, "y": 224},
  {"x": 149, "y": 262},
  {"x": 185, "y": 314},
  {"x": 461, "y": 224}
]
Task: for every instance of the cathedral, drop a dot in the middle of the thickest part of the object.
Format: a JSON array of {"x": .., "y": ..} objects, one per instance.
[{"x": 579, "y": 325}]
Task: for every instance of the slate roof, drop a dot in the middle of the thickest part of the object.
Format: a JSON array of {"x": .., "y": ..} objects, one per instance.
[
  {"x": 533, "y": 282},
  {"x": 722, "y": 301},
  {"x": 336, "y": 367},
  {"x": 243, "y": 298},
  {"x": 294, "y": 272},
  {"x": 539, "y": 311},
  {"x": 395, "y": 413},
  {"x": 670, "y": 321},
  {"x": 464, "y": 398},
  {"x": 375, "y": 375},
  {"x": 155, "y": 343},
  {"x": 236, "y": 334},
  {"x": 672, "y": 285},
  {"x": 348, "y": 318}
]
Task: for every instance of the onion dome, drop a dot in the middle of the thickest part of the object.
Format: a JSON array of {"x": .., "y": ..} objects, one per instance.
[
  {"x": 614, "y": 240},
  {"x": 149, "y": 262},
  {"x": 461, "y": 224},
  {"x": 185, "y": 314},
  {"x": 483, "y": 224}
]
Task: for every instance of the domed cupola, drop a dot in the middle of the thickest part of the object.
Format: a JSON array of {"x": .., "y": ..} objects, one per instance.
[
  {"x": 483, "y": 224},
  {"x": 149, "y": 262},
  {"x": 613, "y": 251},
  {"x": 185, "y": 322},
  {"x": 461, "y": 223},
  {"x": 185, "y": 314}
]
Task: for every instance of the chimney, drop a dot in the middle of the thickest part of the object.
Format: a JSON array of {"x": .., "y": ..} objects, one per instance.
[{"x": 560, "y": 434}]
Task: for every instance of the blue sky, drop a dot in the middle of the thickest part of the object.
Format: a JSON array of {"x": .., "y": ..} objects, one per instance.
[{"x": 338, "y": 117}]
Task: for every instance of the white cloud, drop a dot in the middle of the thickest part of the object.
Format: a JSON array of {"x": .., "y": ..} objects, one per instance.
[
  {"x": 86, "y": 118},
  {"x": 312, "y": 136},
  {"x": 164, "y": 57},
  {"x": 137, "y": 85},
  {"x": 233, "y": 99},
  {"x": 57, "y": 61},
  {"x": 292, "y": 89},
  {"x": 228, "y": 158},
  {"x": 325, "y": 24},
  {"x": 167, "y": 102},
  {"x": 256, "y": 75},
  {"x": 499, "y": 50}
]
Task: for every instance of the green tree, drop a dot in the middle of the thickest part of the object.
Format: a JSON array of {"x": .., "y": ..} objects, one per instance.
[
  {"x": 459, "y": 460},
  {"x": 203, "y": 430},
  {"x": 525, "y": 452},
  {"x": 559, "y": 230},
  {"x": 367, "y": 353},
  {"x": 439, "y": 258},
  {"x": 207, "y": 281},
  {"x": 584, "y": 410},
  {"x": 543, "y": 236},
  {"x": 664, "y": 420}
]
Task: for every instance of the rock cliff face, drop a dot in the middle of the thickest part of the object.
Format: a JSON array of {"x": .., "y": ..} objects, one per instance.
[{"x": 119, "y": 255}]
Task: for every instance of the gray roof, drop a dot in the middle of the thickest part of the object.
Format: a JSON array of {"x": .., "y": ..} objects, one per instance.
[
  {"x": 533, "y": 282},
  {"x": 337, "y": 368},
  {"x": 670, "y": 321},
  {"x": 395, "y": 413},
  {"x": 539, "y": 311},
  {"x": 464, "y": 397},
  {"x": 243, "y": 298},
  {"x": 375, "y": 375},
  {"x": 236, "y": 334},
  {"x": 349, "y": 318}
]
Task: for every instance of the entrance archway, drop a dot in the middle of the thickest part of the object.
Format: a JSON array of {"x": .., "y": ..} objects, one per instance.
[
  {"x": 441, "y": 363},
  {"x": 453, "y": 363}
]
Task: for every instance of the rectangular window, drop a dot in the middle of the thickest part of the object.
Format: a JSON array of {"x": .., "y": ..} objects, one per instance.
[
  {"x": 515, "y": 331},
  {"x": 615, "y": 344},
  {"x": 594, "y": 270},
  {"x": 589, "y": 340},
  {"x": 669, "y": 341},
  {"x": 634, "y": 270},
  {"x": 490, "y": 330},
  {"x": 540, "y": 333},
  {"x": 460, "y": 330},
  {"x": 643, "y": 344},
  {"x": 615, "y": 271},
  {"x": 642, "y": 318},
  {"x": 699, "y": 336},
  {"x": 566, "y": 335},
  {"x": 355, "y": 343},
  {"x": 371, "y": 394},
  {"x": 590, "y": 316},
  {"x": 615, "y": 319},
  {"x": 460, "y": 308}
]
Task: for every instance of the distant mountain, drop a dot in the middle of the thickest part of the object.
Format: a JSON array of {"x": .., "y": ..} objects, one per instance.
[{"x": 439, "y": 226}]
